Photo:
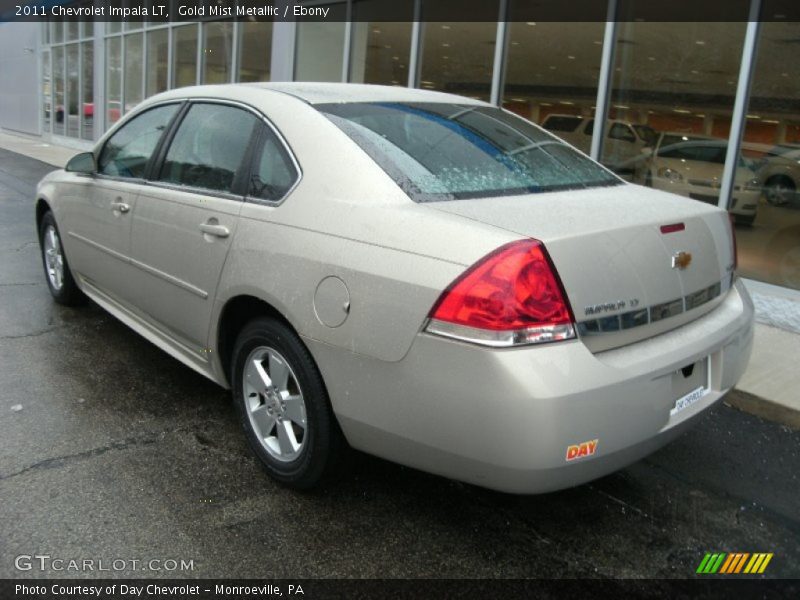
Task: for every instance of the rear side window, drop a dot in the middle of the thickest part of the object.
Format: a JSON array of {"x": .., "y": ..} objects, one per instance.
[
  {"x": 127, "y": 152},
  {"x": 274, "y": 173},
  {"x": 439, "y": 151},
  {"x": 209, "y": 147},
  {"x": 561, "y": 123},
  {"x": 622, "y": 132},
  {"x": 646, "y": 133}
]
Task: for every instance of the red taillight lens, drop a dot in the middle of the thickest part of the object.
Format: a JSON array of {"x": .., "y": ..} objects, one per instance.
[{"x": 513, "y": 296}]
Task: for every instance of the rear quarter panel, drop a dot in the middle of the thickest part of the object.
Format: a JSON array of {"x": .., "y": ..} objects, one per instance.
[{"x": 346, "y": 218}]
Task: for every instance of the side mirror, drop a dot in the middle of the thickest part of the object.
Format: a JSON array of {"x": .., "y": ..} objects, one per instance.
[{"x": 82, "y": 163}]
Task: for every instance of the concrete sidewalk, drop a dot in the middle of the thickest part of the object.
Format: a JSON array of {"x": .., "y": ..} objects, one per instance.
[{"x": 771, "y": 382}]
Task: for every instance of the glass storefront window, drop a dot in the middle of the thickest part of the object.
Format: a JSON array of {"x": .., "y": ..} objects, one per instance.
[
  {"x": 58, "y": 90},
  {"x": 87, "y": 27},
  {"x": 673, "y": 83},
  {"x": 380, "y": 51},
  {"x": 113, "y": 26},
  {"x": 458, "y": 58},
  {"x": 56, "y": 32},
  {"x": 157, "y": 61},
  {"x": 184, "y": 55},
  {"x": 133, "y": 70},
  {"x": 217, "y": 49},
  {"x": 113, "y": 80},
  {"x": 47, "y": 89},
  {"x": 320, "y": 47},
  {"x": 552, "y": 71},
  {"x": 255, "y": 51},
  {"x": 72, "y": 30},
  {"x": 769, "y": 249},
  {"x": 87, "y": 82},
  {"x": 73, "y": 96}
]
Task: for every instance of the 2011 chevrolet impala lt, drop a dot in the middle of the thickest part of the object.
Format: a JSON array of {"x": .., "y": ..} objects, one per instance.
[{"x": 424, "y": 277}]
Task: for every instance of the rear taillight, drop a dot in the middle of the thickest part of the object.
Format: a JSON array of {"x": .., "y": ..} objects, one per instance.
[{"x": 511, "y": 297}]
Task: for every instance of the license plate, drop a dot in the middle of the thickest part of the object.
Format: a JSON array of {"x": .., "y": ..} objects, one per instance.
[{"x": 688, "y": 400}]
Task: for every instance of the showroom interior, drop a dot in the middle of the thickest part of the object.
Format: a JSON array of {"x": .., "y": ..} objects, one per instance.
[{"x": 675, "y": 93}]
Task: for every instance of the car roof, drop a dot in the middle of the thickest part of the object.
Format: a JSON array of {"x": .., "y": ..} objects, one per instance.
[{"x": 321, "y": 93}]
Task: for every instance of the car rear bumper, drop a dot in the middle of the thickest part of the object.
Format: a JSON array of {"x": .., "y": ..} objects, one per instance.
[{"x": 505, "y": 419}]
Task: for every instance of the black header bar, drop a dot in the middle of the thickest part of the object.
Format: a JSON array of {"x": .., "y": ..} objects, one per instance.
[{"x": 163, "y": 11}]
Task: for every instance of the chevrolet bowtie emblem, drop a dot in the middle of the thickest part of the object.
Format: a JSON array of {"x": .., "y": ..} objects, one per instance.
[{"x": 681, "y": 260}]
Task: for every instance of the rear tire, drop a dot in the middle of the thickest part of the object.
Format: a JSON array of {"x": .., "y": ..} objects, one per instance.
[
  {"x": 283, "y": 405},
  {"x": 56, "y": 268},
  {"x": 779, "y": 190}
]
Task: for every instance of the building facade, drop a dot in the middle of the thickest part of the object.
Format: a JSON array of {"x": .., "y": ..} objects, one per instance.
[{"x": 710, "y": 110}]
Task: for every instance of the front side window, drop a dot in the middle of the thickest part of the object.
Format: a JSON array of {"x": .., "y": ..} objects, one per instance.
[
  {"x": 274, "y": 174},
  {"x": 439, "y": 151},
  {"x": 208, "y": 148},
  {"x": 127, "y": 152}
]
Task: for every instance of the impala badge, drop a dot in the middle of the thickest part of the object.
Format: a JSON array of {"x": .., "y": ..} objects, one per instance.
[{"x": 681, "y": 260}]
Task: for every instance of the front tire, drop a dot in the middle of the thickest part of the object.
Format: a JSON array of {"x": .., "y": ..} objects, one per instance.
[
  {"x": 283, "y": 405},
  {"x": 56, "y": 268}
]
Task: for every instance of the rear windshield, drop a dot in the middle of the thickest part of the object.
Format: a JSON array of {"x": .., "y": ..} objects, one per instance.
[{"x": 437, "y": 151}]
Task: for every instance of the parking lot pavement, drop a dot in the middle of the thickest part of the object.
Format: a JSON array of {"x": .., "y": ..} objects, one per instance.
[{"x": 114, "y": 451}]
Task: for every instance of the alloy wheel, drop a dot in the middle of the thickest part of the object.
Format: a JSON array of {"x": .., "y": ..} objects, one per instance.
[
  {"x": 54, "y": 257},
  {"x": 274, "y": 403}
]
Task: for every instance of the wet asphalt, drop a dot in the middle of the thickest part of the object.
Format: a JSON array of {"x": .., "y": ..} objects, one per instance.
[{"x": 112, "y": 450}]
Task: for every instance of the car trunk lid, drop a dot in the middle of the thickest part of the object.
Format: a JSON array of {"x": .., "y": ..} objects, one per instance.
[{"x": 626, "y": 278}]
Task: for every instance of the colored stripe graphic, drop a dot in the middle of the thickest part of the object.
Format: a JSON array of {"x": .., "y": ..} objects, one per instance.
[
  {"x": 758, "y": 563},
  {"x": 711, "y": 563},
  {"x": 734, "y": 563},
  {"x": 737, "y": 563}
]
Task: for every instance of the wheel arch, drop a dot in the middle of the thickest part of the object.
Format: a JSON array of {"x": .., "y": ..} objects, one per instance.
[
  {"x": 42, "y": 206},
  {"x": 234, "y": 315},
  {"x": 775, "y": 177}
]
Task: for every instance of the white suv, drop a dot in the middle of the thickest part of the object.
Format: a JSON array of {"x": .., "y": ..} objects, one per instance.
[{"x": 623, "y": 142}]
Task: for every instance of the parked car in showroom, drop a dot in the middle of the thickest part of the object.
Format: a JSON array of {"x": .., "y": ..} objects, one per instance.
[
  {"x": 623, "y": 140},
  {"x": 692, "y": 166},
  {"x": 778, "y": 171},
  {"x": 420, "y": 276}
]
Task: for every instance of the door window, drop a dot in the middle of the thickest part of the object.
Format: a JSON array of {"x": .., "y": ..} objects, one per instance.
[
  {"x": 274, "y": 173},
  {"x": 209, "y": 147},
  {"x": 127, "y": 152}
]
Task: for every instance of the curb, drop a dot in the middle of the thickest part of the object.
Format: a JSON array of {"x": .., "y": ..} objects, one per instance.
[{"x": 762, "y": 408}]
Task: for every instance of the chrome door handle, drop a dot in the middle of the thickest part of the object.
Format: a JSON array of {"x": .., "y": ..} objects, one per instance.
[
  {"x": 216, "y": 230},
  {"x": 120, "y": 206}
]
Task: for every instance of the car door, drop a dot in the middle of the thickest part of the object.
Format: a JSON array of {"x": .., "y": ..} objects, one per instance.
[
  {"x": 187, "y": 217},
  {"x": 97, "y": 219}
]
